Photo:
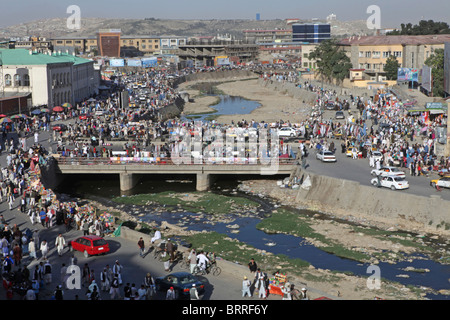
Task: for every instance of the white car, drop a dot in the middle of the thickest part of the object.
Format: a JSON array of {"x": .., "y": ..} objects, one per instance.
[
  {"x": 443, "y": 182},
  {"x": 377, "y": 155},
  {"x": 287, "y": 132},
  {"x": 326, "y": 156},
  {"x": 388, "y": 171},
  {"x": 391, "y": 182}
]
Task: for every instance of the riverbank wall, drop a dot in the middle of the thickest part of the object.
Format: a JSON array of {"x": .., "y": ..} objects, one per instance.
[{"x": 364, "y": 204}]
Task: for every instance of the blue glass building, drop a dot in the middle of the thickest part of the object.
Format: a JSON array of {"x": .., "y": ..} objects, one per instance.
[{"x": 311, "y": 32}]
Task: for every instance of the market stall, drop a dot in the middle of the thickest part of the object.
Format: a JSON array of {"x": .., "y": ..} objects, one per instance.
[{"x": 275, "y": 283}]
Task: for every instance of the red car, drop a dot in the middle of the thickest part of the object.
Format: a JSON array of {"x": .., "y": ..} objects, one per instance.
[
  {"x": 89, "y": 245},
  {"x": 84, "y": 116}
]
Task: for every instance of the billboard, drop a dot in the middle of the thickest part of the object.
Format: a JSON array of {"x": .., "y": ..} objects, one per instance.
[
  {"x": 407, "y": 74},
  {"x": 149, "y": 62},
  {"x": 134, "y": 62},
  {"x": 426, "y": 78},
  {"x": 447, "y": 68},
  {"x": 116, "y": 62}
]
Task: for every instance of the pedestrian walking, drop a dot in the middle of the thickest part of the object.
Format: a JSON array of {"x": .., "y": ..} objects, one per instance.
[
  {"x": 85, "y": 275},
  {"x": 114, "y": 290},
  {"x": 32, "y": 249},
  {"x": 192, "y": 260},
  {"x": 141, "y": 293},
  {"x": 47, "y": 272},
  {"x": 193, "y": 293},
  {"x": 44, "y": 249},
  {"x": 141, "y": 246},
  {"x": 60, "y": 242},
  {"x": 117, "y": 269},
  {"x": 170, "y": 295},
  {"x": 246, "y": 284},
  {"x": 104, "y": 280}
]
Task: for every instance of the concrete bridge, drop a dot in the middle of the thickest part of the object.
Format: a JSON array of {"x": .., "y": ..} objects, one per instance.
[{"x": 129, "y": 172}]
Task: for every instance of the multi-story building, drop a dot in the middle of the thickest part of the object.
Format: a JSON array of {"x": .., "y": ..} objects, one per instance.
[
  {"x": 267, "y": 36},
  {"x": 371, "y": 52},
  {"x": 206, "y": 53},
  {"x": 170, "y": 44},
  {"x": 108, "y": 42},
  {"x": 306, "y": 61},
  {"x": 311, "y": 32},
  {"x": 143, "y": 45},
  {"x": 48, "y": 78},
  {"x": 77, "y": 45}
]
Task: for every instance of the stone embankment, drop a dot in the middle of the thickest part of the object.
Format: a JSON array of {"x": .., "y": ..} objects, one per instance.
[{"x": 363, "y": 204}]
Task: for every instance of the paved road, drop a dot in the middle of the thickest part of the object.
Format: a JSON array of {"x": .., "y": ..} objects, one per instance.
[{"x": 359, "y": 170}]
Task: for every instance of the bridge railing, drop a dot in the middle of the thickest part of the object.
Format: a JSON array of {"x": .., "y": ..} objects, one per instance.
[{"x": 166, "y": 161}]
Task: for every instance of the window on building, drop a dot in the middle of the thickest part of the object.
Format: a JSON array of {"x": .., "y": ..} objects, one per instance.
[
  {"x": 143, "y": 46},
  {"x": 156, "y": 46},
  {"x": 397, "y": 54},
  {"x": 69, "y": 42},
  {"x": 386, "y": 54},
  {"x": 16, "y": 80},
  {"x": 143, "y": 40},
  {"x": 8, "y": 81},
  {"x": 59, "y": 42},
  {"x": 361, "y": 54},
  {"x": 376, "y": 54},
  {"x": 368, "y": 54},
  {"x": 26, "y": 80}
]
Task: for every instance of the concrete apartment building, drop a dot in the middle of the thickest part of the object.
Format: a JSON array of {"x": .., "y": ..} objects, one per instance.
[
  {"x": 371, "y": 52},
  {"x": 267, "y": 36},
  {"x": 205, "y": 54},
  {"x": 50, "y": 78}
]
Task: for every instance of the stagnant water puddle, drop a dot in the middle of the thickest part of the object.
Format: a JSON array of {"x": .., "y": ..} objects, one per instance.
[
  {"x": 226, "y": 104},
  {"x": 294, "y": 247}
]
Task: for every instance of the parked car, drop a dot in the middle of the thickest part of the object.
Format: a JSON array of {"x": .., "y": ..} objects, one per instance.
[
  {"x": 326, "y": 156},
  {"x": 84, "y": 116},
  {"x": 59, "y": 127},
  {"x": 181, "y": 282},
  {"x": 443, "y": 182},
  {"x": 287, "y": 132},
  {"x": 388, "y": 171},
  {"x": 330, "y": 106},
  {"x": 339, "y": 115},
  {"x": 391, "y": 182},
  {"x": 89, "y": 245}
]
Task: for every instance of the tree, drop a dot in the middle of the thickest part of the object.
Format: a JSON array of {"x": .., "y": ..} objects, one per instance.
[
  {"x": 391, "y": 68},
  {"x": 424, "y": 27},
  {"x": 436, "y": 62},
  {"x": 332, "y": 62}
]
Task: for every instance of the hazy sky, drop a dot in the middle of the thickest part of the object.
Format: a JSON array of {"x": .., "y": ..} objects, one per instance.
[{"x": 393, "y": 12}]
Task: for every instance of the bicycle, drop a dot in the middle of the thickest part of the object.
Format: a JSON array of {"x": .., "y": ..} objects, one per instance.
[{"x": 211, "y": 268}]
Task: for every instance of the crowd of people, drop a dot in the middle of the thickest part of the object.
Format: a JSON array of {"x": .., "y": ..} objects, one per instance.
[{"x": 378, "y": 123}]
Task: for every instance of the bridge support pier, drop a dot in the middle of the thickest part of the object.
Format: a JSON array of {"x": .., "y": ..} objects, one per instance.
[
  {"x": 203, "y": 181},
  {"x": 128, "y": 181}
]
